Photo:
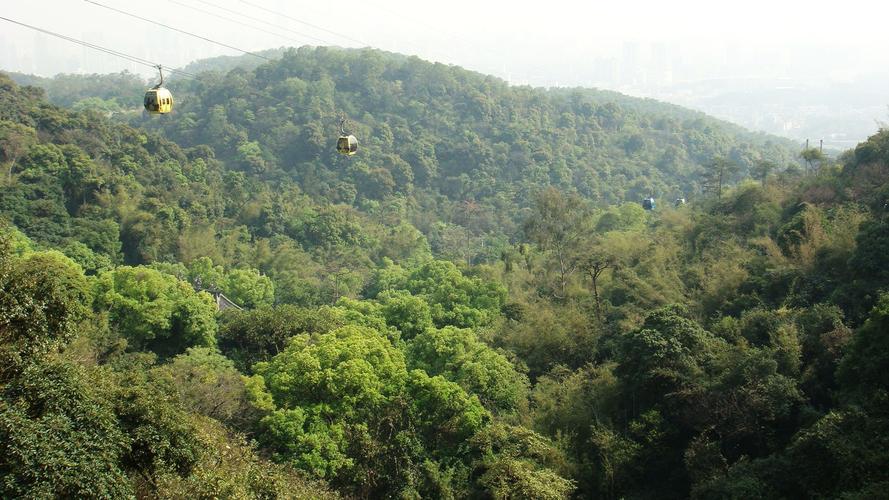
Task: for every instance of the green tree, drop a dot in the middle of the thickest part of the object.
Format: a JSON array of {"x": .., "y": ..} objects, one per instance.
[
  {"x": 249, "y": 288},
  {"x": 514, "y": 462},
  {"x": 558, "y": 227},
  {"x": 813, "y": 157},
  {"x": 42, "y": 299},
  {"x": 251, "y": 336},
  {"x": 862, "y": 371},
  {"x": 60, "y": 437},
  {"x": 717, "y": 174},
  {"x": 455, "y": 299},
  {"x": 156, "y": 311},
  {"x": 209, "y": 384},
  {"x": 762, "y": 169},
  {"x": 410, "y": 315},
  {"x": 458, "y": 355},
  {"x": 342, "y": 405}
]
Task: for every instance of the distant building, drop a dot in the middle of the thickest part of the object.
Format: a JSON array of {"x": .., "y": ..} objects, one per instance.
[{"x": 223, "y": 302}]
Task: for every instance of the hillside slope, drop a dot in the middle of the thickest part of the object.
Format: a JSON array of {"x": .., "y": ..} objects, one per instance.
[
  {"x": 430, "y": 129},
  {"x": 734, "y": 347}
]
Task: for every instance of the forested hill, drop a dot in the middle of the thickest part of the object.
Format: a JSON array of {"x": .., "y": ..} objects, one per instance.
[
  {"x": 103, "y": 93},
  {"x": 733, "y": 347},
  {"x": 430, "y": 129}
]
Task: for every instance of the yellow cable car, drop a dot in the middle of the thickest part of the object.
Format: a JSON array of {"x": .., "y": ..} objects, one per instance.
[
  {"x": 158, "y": 100},
  {"x": 346, "y": 144}
]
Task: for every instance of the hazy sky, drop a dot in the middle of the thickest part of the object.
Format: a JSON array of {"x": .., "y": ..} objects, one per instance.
[{"x": 557, "y": 42}]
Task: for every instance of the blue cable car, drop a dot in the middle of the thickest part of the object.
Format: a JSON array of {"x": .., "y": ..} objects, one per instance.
[{"x": 648, "y": 203}]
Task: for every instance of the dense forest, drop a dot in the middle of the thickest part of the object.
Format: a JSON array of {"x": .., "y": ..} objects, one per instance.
[{"x": 475, "y": 306}]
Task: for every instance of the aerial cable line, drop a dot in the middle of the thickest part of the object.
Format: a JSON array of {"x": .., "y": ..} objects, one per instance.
[
  {"x": 225, "y": 18},
  {"x": 254, "y": 54},
  {"x": 266, "y": 22},
  {"x": 270, "y": 11},
  {"x": 131, "y": 58}
]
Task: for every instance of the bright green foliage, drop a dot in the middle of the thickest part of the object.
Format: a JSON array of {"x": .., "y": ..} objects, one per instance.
[
  {"x": 458, "y": 355},
  {"x": 246, "y": 287},
  {"x": 344, "y": 406},
  {"x": 156, "y": 311},
  {"x": 249, "y": 288},
  {"x": 91, "y": 262},
  {"x": 455, "y": 299},
  {"x": 409, "y": 314},
  {"x": 356, "y": 364},
  {"x": 343, "y": 377},
  {"x": 250, "y": 156},
  {"x": 203, "y": 271},
  {"x": 444, "y": 414},
  {"x": 365, "y": 313},
  {"x": 19, "y": 244}
]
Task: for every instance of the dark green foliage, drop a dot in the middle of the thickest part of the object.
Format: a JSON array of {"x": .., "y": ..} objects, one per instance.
[
  {"x": 665, "y": 355},
  {"x": 863, "y": 371},
  {"x": 59, "y": 437},
  {"x": 160, "y": 434},
  {"x": 42, "y": 298}
]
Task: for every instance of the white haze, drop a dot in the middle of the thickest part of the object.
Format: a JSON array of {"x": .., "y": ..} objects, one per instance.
[{"x": 801, "y": 69}]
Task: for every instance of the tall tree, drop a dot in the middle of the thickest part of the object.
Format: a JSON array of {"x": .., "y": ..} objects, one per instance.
[
  {"x": 558, "y": 225},
  {"x": 717, "y": 174}
]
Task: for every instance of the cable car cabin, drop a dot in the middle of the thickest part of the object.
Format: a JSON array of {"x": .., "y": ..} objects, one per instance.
[
  {"x": 648, "y": 203},
  {"x": 347, "y": 145},
  {"x": 158, "y": 101},
  {"x": 680, "y": 202}
]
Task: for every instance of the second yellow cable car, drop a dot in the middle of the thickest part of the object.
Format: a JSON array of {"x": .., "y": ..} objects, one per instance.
[{"x": 347, "y": 144}]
